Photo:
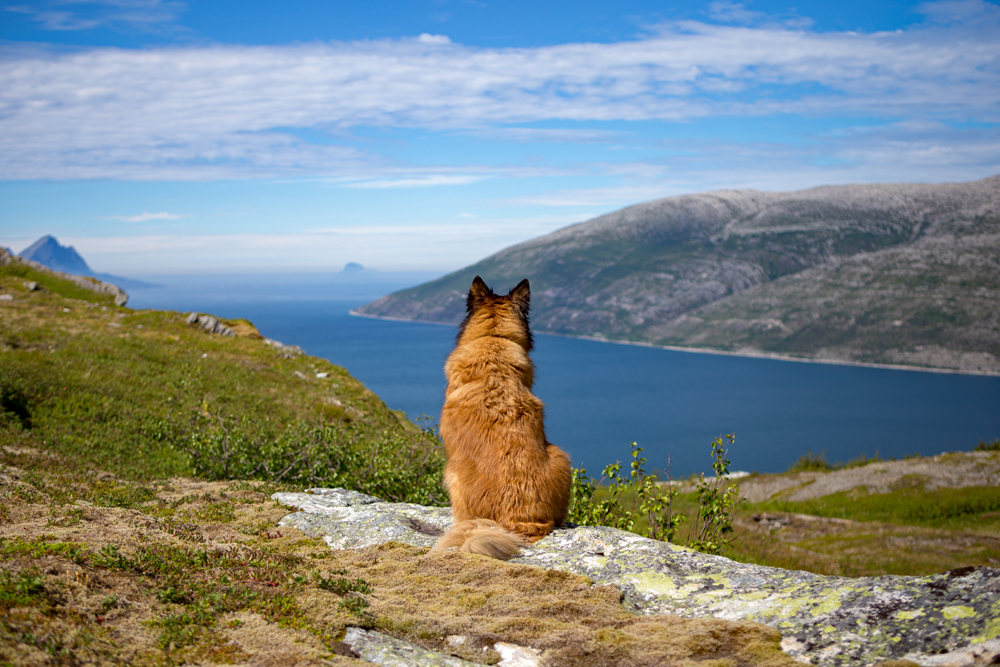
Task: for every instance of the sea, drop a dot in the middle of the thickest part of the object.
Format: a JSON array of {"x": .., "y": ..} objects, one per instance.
[{"x": 601, "y": 397}]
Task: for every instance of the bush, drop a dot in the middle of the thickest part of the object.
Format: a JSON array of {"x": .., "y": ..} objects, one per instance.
[
  {"x": 989, "y": 446},
  {"x": 640, "y": 496},
  {"x": 392, "y": 465}
]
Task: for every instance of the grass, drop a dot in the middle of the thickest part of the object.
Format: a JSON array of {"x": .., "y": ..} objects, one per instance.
[
  {"x": 972, "y": 509},
  {"x": 172, "y": 580},
  {"x": 145, "y": 396}
]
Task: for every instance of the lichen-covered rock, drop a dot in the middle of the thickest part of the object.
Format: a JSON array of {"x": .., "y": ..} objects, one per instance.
[
  {"x": 391, "y": 652},
  {"x": 824, "y": 620}
]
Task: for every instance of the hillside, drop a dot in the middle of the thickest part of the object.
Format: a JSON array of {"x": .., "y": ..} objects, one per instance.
[
  {"x": 905, "y": 274},
  {"x": 145, "y": 393}
]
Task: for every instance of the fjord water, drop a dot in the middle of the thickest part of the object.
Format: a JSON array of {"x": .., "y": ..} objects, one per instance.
[{"x": 600, "y": 397}]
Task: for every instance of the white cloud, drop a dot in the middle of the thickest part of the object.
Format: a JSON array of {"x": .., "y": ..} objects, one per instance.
[
  {"x": 732, "y": 12},
  {"x": 145, "y": 217},
  {"x": 416, "y": 182},
  {"x": 65, "y": 15},
  {"x": 211, "y": 112},
  {"x": 427, "y": 38}
]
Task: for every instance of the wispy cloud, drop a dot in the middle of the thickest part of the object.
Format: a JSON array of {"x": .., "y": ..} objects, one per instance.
[
  {"x": 211, "y": 112},
  {"x": 145, "y": 217},
  {"x": 65, "y": 15},
  {"x": 416, "y": 182}
]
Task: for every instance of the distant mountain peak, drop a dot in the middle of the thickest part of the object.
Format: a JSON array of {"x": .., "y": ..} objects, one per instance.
[
  {"x": 352, "y": 267},
  {"x": 48, "y": 251}
]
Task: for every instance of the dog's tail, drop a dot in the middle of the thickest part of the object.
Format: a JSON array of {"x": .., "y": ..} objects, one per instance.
[{"x": 481, "y": 536}]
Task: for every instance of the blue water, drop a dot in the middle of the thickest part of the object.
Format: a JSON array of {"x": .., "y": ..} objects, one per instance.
[{"x": 600, "y": 397}]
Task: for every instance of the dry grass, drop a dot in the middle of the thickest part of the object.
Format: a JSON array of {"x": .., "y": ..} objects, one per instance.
[{"x": 195, "y": 572}]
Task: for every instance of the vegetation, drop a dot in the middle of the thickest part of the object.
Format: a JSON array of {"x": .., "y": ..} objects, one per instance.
[
  {"x": 639, "y": 503},
  {"x": 145, "y": 396},
  {"x": 989, "y": 446},
  {"x": 810, "y": 462}
]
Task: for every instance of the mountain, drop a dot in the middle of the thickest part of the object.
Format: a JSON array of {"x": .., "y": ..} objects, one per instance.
[
  {"x": 900, "y": 274},
  {"x": 48, "y": 251}
]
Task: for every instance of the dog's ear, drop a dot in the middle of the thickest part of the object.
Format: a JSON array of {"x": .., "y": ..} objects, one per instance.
[
  {"x": 478, "y": 293},
  {"x": 521, "y": 295}
]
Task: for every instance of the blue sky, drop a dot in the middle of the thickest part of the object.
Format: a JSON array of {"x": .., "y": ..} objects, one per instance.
[{"x": 175, "y": 137}]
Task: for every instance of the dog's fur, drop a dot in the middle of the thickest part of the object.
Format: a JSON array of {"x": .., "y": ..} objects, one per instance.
[{"x": 508, "y": 485}]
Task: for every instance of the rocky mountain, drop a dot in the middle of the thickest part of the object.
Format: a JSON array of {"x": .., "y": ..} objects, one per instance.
[
  {"x": 49, "y": 252},
  {"x": 902, "y": 274}
]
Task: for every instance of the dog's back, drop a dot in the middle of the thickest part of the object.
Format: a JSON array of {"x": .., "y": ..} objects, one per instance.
[{"x": 508, "y": 485}]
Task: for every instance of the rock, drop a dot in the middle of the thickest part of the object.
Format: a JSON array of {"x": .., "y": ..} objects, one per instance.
[
  {"x": 210, "y": 324},
  {"x": 385, "y": 650},
  {"x": 93, "y": 284},
  {"x": 391, "y": 652},
  {"x": 823, "y": 620},
  {"x": 285, "y": 351}
]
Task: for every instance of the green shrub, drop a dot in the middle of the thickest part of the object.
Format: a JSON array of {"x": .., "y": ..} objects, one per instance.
[
  {"x": 632, "y": 497},
  {"x": 640, "y": 503},
  {"x": 989, "y": 446}
]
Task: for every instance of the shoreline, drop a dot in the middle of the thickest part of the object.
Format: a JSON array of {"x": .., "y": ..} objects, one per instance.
[{"x": 750, "y": 354}]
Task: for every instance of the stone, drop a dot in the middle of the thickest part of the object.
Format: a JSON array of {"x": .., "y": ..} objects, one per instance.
[
  {"x": 823, "y": 620},
  {"x": 391, "y": 652}
]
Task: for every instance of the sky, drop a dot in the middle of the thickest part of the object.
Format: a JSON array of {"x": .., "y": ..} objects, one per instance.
[{"x": 172, "y": 137}]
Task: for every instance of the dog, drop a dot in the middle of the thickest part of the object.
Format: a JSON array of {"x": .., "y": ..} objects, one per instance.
[{"x": 509, "y": 486}]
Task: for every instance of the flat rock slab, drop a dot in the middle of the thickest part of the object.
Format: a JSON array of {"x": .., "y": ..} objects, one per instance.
[{"x": 943, "y": 619}]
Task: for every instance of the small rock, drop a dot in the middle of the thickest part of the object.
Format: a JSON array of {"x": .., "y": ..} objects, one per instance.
[
  {"x": 31, "y": 286},
  {"x": 512, "y": 655},
  {"x": 391, "y": 652},
  {"x": 192, "y": 318},
  {"x": 6, "y": 297}
]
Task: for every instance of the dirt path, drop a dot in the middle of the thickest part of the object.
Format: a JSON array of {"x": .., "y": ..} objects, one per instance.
[{"x": 948, "y": 470}]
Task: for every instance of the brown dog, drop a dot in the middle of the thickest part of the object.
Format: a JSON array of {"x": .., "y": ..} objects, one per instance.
[{"x": 508, "y": 484}]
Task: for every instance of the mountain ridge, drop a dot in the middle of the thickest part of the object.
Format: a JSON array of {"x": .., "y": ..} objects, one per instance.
[
  {"x": 819, "y": 274},
  {"x": 47, "y": 251}
]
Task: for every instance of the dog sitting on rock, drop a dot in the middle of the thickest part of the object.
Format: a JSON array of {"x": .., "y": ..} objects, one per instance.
[{"x": 509, "y": 486}]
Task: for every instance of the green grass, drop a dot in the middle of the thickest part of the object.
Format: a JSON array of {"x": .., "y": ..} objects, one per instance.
[
  {"x": 974, "y": 509},
  {"x": 145, "y": 396}
]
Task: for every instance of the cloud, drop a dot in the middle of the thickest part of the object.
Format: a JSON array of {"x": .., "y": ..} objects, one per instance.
[
  {"x": 213, "y": 112},
  {"x": 426, "y": 38},
  {"x": 416, "y": 182},
  {"x": 145, "y": 217},
  {"x": 550, "y": 135},
  {"x": 732, "y": 12},
  {"x": 141, "y": 14}
]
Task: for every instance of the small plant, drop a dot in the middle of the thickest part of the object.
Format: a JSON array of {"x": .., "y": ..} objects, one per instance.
[
  {"x": 632, "y": 497},
  {"x": 810, "y": 462},
  {"x": 342, "y": 586},
  {"x": 713, "y": 522},
  {"x": 989, "y": 446},
  {"x": 638, "y": 496}
]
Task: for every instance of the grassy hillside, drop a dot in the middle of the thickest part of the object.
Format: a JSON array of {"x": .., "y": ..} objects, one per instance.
[
  {"x": 142, "y": 394},
  {"x": 892, "y": 274}
]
